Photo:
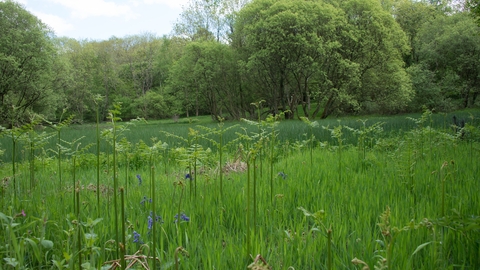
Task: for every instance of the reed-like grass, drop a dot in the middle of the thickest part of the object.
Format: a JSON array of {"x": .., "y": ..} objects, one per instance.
[{"x": 370, "y": 207}]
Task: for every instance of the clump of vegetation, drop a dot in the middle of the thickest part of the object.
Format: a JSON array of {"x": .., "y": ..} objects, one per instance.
[{"x": 411, "y": 197}]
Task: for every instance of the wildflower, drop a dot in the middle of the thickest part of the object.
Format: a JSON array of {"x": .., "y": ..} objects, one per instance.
[
  {"x": 187, "y": 176},
  {"x": 23, "y": 213},
  {"x": 283, "y": 175},
  {"x": 158, "y": 219},
  {"x": 150, "y": 222},
  {"x": 182, "y": 217},
  {"x": 142, "y": 202},
  {"x": 136, "y": 238},
  {"x": 139, "y": 179}
]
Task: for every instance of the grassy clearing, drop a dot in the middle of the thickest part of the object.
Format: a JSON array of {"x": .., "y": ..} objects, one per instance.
[{"x": 342, "y": 195}]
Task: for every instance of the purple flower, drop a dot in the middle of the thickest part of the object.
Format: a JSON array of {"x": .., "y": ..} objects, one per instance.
[
  {"x": 139, "y": 179},
  {"x": 187, "y": 176},
  {"x": 136, "y": 238},
  {"x": 142, "y": 202},
  {"x": 283, "y": 175},
  {"x": 23, "y": 213},
  {"x": 145, "y": 199},
  {"x": 182, "y": 217},
  {"x": 150, "y": 222}
]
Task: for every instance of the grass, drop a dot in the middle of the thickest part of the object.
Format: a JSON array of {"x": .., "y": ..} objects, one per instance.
[{"x": 407, "y": 199}]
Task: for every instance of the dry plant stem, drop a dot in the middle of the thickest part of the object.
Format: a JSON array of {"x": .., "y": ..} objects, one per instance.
[
  {"x": 254, "y": 197},
  {"x": 329, "y": 249},
  {"x": 134, "y": 259},
  {"x": 115, "y": 186},
  {"x": 176, "y": 257},
  {"x": 32, "y": 160},
  {"x": 195, "y": 167},
  {"x": 98, "y": 159},
  {"x": 220, "y": 164},
  {"x": 178, "y": 213},
  {"x": 14, "y": 150},
  {"x": 73, "y": 186},
  {"x": 248, "y": 207},
  {"x": 79, "y": 234},
  {"x": 154, "y": 235},
  {"x": 272, "y": 146},
  {"x": 122, "y": 245}
]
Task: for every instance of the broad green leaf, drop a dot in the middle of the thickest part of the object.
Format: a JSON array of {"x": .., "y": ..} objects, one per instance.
[
  {"x": 47, "y": 244},
  {"x": 35, "y": 248}
]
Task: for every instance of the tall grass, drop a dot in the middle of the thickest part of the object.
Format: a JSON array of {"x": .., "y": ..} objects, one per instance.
[{"x": 366, "y": 218}]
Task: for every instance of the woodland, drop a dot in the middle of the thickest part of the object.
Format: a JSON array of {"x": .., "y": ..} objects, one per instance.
[{"x": 311, "y": 58}]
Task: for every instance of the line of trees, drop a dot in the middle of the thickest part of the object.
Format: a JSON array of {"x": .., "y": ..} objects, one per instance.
[{"x": 318, "y": 56}]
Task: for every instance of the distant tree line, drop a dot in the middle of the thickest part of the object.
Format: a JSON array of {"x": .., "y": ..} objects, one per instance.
[{"x": 322, "y": 57}]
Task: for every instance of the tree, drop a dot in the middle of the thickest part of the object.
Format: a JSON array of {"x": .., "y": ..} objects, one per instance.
[
  {"x": 474, "y": 7},
  {"x": 287, "y": 47},
  {"x": 26, "y": 59},
  {"x": 376, "y": 43},
  {"x": 140, "y": 53},
  {"x": 342, "y": 56},
  {"x": 450, "y": 48},
  {"x": 201, "y": 20},
  {"x": 411, "y": 15},
  {"x": 206, "y": 78}
]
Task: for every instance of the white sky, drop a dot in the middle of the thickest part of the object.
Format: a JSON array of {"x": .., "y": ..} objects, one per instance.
[{"x": 102, "y": 19}]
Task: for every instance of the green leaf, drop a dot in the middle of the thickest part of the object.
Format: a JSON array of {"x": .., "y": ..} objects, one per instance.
[
  {"x": 91, "y": 223},
  {"x": 5, "y": 218},
  {"x": 305, "y": 211},
  {"x": 67, "y": 256},
  {"x": 319, "y": 214},
  {"x": 35, "y": 248},
  {"x": 11, "y": 261},
  {"x": 58, "y": 264},
  {"x": 47, "y": 244},
  {"x": 420, "y": 247},
  {"x": 90, "y": 236}
]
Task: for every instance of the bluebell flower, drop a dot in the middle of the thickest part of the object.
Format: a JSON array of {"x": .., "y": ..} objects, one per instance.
[
  {"x": 136, "y": 238},
  {"x": 182, "y": 217},
  {"x": 158, "y": 219},
  {"x": 150, "y": 222},
  {"x": 142, "y": 202},
  {"x": 139, "y": 179},
  {"x": 187, "y": 176}
]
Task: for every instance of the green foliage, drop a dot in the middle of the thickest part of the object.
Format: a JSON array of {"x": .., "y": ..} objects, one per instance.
[
  {"x": 428, "y": 223},
  {"x": 474, "y": 7},
  {"x": 25, "y": 64},
  {"x": 308, "y": 54},
  {"x": 449, "y": 50},
  {"x": 312, "y": 59}
]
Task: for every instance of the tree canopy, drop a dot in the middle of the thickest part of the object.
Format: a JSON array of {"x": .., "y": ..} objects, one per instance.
[
  {"x": 308, "y": 57},
  {"x": 26, "y": 60}
]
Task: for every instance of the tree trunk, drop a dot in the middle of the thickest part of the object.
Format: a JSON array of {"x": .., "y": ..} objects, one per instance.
[{"x": 327, "y": 110}]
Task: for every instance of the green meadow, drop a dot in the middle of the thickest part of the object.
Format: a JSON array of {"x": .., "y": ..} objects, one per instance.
[{"x": 399, "y": 192}]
